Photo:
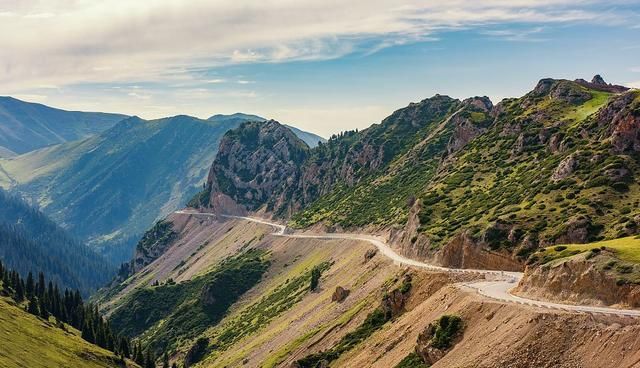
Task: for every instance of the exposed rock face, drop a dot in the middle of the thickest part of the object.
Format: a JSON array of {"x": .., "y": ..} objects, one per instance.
[
  {"x": 565, "y": 168},
  {"x": 340, "y": 294},
  {"x": 580, "y": 281},
  {"x": 562, "y": 90},
  {"x": 428, "y": 349},
  {"x": 621, "y": 121},
  {"x": 393, "y": 303},
  {"x": 598, "y": 83},
  {"x": 254, "y": 162},
  {"x": 465, "y": 252},
  {"x": 470, "y": 122},
  {"x": 579, "y": 229},
  {"x": 152, "y": 245}
]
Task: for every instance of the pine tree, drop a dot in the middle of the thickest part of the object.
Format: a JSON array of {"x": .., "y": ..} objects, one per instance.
[
  {"x": 44, "y": 312},
  {"x": 149, "y": 360},
  {"x": 124, "y": 347},
  {"x": 33, "y": 306},
  {"x": 165, "y": 360},
  {"x": 40, "y": 286},
  {"x": 19, "y": 290},
  {"x": 139, "y": 358},
  {"x": 30, "y": 285}
]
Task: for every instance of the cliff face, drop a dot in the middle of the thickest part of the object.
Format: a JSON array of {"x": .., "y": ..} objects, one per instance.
[
  {"x": 579, "y": 280},
  {"x": 254, "y": 163}
]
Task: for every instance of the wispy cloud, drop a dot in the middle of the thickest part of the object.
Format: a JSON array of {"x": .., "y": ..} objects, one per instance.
[
  {"x": 122, "y": 40},
  {"x": 516, "y": 35}
]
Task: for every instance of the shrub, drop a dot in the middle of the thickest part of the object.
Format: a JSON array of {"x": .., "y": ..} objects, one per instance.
[
  {"x": 559, "y": 248},
  {"x": 445, "y": 331}
]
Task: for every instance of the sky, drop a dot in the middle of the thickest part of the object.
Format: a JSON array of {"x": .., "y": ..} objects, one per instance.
[{"x": 324, "y": 66}]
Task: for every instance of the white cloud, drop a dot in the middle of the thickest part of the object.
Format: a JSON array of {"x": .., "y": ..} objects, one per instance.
[
  {"x": 245, "y": 82},
  {"x": 122, "y": 40}
]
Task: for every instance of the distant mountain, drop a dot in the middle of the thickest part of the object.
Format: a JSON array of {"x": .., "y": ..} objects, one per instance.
[
  {"x": 309, "y": 138},
  {"x": 108, "y": 189},
  {"x": 30, "y": 242},
  {"x": 26, "y": 126}
]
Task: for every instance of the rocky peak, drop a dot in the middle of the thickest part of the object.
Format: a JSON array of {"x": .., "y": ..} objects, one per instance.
[
  {"x": 562, "y": 90},
  {"x": 598, "y": 83},
  {"x": 253, "y": 161},
  {"x": 470, "y": 121},
  {"x": 597, "y": 79}
]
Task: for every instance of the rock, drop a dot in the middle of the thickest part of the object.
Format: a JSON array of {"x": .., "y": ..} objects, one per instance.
[
  {"x": 565, "y": 168},
  {"x": 340, "y": 294},
  {"x": 620, "y": 119},
  {"x": 467, "y": 128},
  {"x": 597, "y": 79},
  {"x": 370, "y": 253},
  {"x": 579, "y": 229},
  {"x": 393, "y": 303},
  {"x": 562, "y": 90}
]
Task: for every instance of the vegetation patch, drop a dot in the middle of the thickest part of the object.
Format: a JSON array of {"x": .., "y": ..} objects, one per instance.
[
  {"x": 173, "y": 312},
  {"x": 261, "y": 313},
  {"x": 412, "y": 360}
]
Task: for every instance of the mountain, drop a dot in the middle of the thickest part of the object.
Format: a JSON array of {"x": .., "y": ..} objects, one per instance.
[
  {"x": 446, "y": 175},
  {"x": 460, "y": 183},
  {"x": 310, "y": 139},
  {"x": 30, "y": 242},
  {"x": 26, "y": 126},
  {"x": 109, "y": 188}
]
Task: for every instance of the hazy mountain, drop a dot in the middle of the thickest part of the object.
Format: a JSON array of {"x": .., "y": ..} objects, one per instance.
[
  {"x": 109, "y": 188},
  {"x": 30, "y": 242},
  {"x": 26, "y": 126}
]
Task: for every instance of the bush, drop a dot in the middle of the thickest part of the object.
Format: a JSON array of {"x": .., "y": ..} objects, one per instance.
[
  {"x": 559, "y": 248},
  {"x": 315, "y": 278},
  {"x": 446, "y": 329}
]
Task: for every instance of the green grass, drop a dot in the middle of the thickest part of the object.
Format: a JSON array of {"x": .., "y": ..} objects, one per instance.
[
  {"x": 626, "y": 249},
  {"x": 412, "y": 360},
  {"x": 28, "y": 341},
  {"x": 261, "y": 313},
  {"x": 168, "y": 314},
  {"x": 598, "y": 100}
]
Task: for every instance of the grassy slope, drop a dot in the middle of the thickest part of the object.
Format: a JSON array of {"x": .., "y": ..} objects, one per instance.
[
  {"x": 28, "y": 341},
  {"x": 491, "y": 180}
]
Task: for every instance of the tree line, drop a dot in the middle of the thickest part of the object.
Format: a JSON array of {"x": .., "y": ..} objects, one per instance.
[{"x": 45, "y": 300}]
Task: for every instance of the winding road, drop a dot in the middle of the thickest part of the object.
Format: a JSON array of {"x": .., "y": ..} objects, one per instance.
[{"x": 496, "y": 285}]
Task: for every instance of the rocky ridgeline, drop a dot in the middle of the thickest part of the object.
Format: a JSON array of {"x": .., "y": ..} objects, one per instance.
[{"x": 562, "y": 138}]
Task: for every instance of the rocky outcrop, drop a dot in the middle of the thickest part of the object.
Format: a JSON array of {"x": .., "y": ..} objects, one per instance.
[
  {"x": 438, "y": 338},
  {"x": 620, "y": 120},
  {"x": 254, "y": 162},
  {"x": 463, "y": 251},
  {"x": 340, "y": 294},
  {"x": 578, "y": 280},
  {"x": 598, "y": 83},
  {"x": 579, "y": 229},
  {"x": 561, "y": 90},
  {"x": 469, "y": 123},
  {"x": 565, "y": 168}
]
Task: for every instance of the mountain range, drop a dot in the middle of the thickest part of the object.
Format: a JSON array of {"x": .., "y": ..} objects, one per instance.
[
  {"x": 108, "y": 188},
  {"x": 553, "y": 166},
  {"x": 28, "y": 126}
]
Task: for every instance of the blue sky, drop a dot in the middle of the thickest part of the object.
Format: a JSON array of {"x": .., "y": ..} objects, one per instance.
[{"x": 322, "y": 66}]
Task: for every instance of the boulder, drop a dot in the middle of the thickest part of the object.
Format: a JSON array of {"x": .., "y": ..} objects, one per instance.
[{"x": 340, "y": 294}]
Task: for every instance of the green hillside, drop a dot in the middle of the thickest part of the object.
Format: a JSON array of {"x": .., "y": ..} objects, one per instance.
[
  {"x": 28, "y": 341},
  {"x": 557, "y": 165}
]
